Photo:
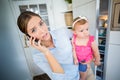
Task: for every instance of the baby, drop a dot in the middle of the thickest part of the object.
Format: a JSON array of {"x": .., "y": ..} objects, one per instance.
[{"x": 85, "y": 49}]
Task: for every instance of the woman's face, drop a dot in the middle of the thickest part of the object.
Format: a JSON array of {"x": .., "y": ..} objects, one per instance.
[
  {"x": 82, "y": 31},
  {"x": 37, "y": 28}
]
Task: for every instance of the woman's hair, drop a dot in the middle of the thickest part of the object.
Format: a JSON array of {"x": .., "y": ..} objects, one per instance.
[
  {"x": 23, "y": 20},
  {"x": 79, "y": 21}
]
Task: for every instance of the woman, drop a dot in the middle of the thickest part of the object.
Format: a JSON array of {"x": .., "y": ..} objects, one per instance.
[{"x": 53, "y": 50}]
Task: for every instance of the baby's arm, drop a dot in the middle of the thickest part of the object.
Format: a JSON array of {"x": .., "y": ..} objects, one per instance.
[
  {"x": 96, "y": 53},
  {"x": 75, "y": 58},
  {"x": 74, "y": 53}
]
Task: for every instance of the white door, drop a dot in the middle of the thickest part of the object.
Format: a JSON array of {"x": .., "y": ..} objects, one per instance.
[{"x": 44, "y": 9}]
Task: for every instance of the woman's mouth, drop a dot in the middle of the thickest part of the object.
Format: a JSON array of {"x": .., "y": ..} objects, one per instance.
[{"x": 45, "y": 35}]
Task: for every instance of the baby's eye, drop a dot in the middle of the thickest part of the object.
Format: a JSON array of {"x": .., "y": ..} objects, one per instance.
[
  {"x": 81, "y": 30},
  {"x": 87, "y": 29}
]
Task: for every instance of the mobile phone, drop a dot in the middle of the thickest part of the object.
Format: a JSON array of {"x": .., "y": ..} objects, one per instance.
[{"x": 36, "y": 40}]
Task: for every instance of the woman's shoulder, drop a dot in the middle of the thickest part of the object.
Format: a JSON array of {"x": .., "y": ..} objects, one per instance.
[{"x": 62, "y": 31}]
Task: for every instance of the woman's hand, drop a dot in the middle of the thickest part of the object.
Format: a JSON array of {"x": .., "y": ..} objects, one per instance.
[{"x": 38, "y": 45}]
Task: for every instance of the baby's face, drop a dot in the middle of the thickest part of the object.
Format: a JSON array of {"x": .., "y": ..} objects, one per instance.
[{"x": 82, "y": 31}]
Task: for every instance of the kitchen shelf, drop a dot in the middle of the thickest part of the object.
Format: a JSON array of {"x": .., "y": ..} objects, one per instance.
[
  {"x": 98, "y": 78},
  {"x": 102, "y": 37},
  {"x": 101, "y": 46},
  {"x": 102, "y": 30}
]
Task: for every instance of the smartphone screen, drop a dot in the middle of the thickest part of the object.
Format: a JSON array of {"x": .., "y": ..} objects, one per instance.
[{"x": 36, "y": 40}]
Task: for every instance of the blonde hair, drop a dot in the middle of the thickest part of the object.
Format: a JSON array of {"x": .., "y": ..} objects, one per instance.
[{"x": 79, "y": 21}]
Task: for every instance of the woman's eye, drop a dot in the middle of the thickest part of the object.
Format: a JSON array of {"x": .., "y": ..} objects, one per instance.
[
  {"x": 33, "y": 30},
  {"x": 87, "y": 29},
  {"x": 41, "y": 23}
]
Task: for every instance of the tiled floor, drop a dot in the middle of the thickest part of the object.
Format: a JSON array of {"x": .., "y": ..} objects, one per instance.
[{"x": 41, "y": 77}]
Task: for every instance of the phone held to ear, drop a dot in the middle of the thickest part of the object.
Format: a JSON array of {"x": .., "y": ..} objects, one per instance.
[{"x": 36, "y": 40}]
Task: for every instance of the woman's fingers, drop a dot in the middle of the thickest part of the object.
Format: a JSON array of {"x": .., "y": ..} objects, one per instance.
[
  {"x": 39, "y": 42},
  {"x": 32, "y": 42},
  {"x": 38, "y": 45}
]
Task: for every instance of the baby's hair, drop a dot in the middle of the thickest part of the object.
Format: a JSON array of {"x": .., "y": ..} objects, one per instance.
[{"x": 79, "y": 20}]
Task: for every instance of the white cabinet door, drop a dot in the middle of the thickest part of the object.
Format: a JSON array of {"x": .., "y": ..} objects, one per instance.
[{"x": 41, "y": 7}]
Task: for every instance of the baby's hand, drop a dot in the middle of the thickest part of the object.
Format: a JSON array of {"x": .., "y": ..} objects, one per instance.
[
  {"x": 75, "y": 61},
  {"x": 97, "y": 62}
]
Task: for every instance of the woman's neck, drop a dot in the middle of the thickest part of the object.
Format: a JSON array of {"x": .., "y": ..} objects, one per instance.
[{"x": 49, "y": 43}]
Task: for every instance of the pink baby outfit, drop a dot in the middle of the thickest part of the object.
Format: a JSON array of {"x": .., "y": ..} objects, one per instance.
[{"x": 84, "y": 53}]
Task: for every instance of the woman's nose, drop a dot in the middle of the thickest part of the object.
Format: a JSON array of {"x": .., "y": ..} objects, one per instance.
[{"x": 40, "y": 30}]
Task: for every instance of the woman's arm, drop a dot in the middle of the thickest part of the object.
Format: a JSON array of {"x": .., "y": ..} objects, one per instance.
[
  {"x": 96, "y": 53},
  {"x": 55, "y": 66},
  {"x": 41, "y": 61}
]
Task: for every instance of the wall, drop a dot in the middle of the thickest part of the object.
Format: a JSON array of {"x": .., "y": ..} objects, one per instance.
[
  {"x": 59, "y": 7},
  {"x": 13, "y": 65},
  {"x": 86, "y": 8}
]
